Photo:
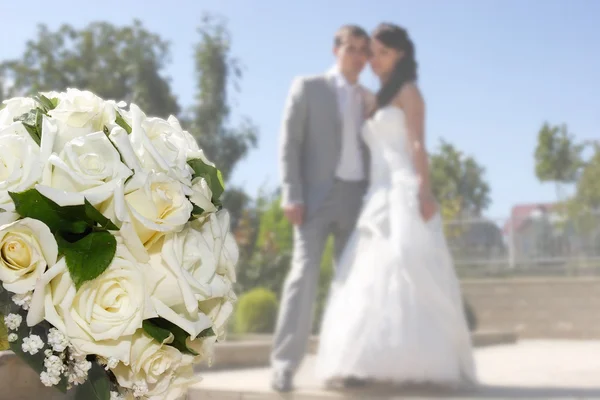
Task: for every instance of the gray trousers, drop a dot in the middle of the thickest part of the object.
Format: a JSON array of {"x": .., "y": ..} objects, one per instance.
[{"x": 336, "y": 216}]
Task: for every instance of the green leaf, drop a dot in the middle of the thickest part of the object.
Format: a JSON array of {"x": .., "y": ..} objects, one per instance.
[
  {"x": 96, "y": 217},
  {"x": 159, "y": 334},
  {"x": 97, "y": 386},
  {"x": 123, "y": 124},
  {"x": 89, "y": 257},
  {"x": 179, "y": 335},
  {"x": 196, "y": 212},
  {"x": 71, "y": 219},
  {"x": 31, "y": 204},
  {"x": 32, "y": 121},
  {"x": 48, "y": 104},
  {"x": 213, "y": 177}
]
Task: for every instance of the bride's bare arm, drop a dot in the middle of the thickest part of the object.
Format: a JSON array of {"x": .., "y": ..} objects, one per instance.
[{"x": 409, "y": 99}]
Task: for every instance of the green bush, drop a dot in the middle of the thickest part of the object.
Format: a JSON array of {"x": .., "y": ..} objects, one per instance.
[
  {"x": 256, "y": 311},
  {"x": 325, "y": 277}
]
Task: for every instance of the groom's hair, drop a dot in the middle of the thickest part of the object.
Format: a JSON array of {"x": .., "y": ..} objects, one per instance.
[{"x": 347, "y": 31}]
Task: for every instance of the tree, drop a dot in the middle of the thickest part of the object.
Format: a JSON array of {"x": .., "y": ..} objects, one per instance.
[
  {"x": 217, "y": 73},
  {"x": 1, "y": 90},
  {"x": 458, "y": 182},
  {"x": 266, "y": 238},
  {"x": 588, "y": 186},
  {"x": 120, "y": 63},
  {"x": 584, "y": 207},
  {"x": 558, "y": 158},
  {"x": 274, "y": 224}
]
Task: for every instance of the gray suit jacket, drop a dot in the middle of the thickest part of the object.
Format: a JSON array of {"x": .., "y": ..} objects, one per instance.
[{"x": 311, "y": 141}]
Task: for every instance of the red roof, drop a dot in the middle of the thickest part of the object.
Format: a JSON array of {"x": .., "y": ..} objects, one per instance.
[{"x": 521, "y": 212}]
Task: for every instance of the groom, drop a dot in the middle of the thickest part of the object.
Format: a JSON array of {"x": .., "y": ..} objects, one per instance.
[{"x": 324, "y": 168}]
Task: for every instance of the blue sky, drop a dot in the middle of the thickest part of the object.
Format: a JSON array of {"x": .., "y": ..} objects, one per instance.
[{"x": 491, "y": 71}]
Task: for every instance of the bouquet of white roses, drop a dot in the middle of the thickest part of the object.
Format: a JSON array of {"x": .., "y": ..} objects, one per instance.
[{"x": 116, "y": 259}]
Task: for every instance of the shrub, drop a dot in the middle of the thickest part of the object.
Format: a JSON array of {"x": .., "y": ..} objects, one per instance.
[
  {"x": 324, "y": 284},
  {"x": 256, "y": 311}
]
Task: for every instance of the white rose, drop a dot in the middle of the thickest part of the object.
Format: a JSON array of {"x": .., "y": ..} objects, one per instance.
[
  {"x": 184, "y": 137},
  {"x": 186, "y": 265},
  {"x": 216, "y": 231},
  {"x": 202, "y": 195},
  {"x": 159, "y": 146},
  {"x": 157, "y": 206},
  {"x": 184, "y": 377},
  {"x": 197, "y": 269},
  {"x": 81, "y": 112},
  {"x": 89, "y": 165},
  {"x": 27, "y": 247},
  {"x": 204, "y": 347},
  {"x": 219, "y": 310},
  {"x": 101, "y": 317},
  {"x": 159, "y": 366},
  {"x": 14, "y": 108},
  {"x": 20, "y": 163}
]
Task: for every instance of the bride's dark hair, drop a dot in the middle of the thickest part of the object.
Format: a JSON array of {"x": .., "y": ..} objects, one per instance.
[{"x": 395, "y": 37}]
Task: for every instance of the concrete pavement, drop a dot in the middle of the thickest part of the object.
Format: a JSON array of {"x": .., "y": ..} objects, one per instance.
[{"x": 527, "y": 369}]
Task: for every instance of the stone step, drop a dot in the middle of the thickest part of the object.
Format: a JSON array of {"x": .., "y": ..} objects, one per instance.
[{"x": 254, "y": 350}]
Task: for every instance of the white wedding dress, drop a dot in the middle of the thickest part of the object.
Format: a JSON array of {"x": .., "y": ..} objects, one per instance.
[{"x": 395, "y": 310}]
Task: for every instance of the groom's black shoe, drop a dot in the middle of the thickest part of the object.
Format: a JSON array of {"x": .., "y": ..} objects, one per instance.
[{"x": 282, "y": 381}]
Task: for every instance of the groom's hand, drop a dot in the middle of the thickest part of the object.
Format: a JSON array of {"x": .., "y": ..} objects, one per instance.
[{"x": 294, "y": 213}]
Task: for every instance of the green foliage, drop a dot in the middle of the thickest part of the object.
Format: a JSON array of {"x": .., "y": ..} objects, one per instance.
[
  {"x": 160, "y": 329},
  {"x": 81, "y": 233},
  {"x": 326, "y": 274},
  {"x": 236, "y": 201},
  {"x": 70, "y": 219},
  {"x": 88, "y": 257},
  {"x": 4, "y": 345},
  {"x": 458, "y": 182},
  {"x": 2, "y": 91},
  {"x": 159, "y": 334},
  {"x": 123, "y": 124},
  {"x": 97, "y": 387},
  {"x": 587, "y": 195},
  {"x": 32, "y": 121},
  {"x": 120, "y": 63},
  {"x": 217, "y": 71},
  {"x": 213, "y": 177},
  {"x": 256, "y": 311},
  {"x": 46, "y": 104},
  {"x": 558, "y": 158},
  {"x": 274, "y": 227},
  {"x": 265, "y": 240}
]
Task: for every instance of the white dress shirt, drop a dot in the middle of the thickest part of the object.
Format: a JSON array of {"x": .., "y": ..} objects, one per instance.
[{"x": 350, "y": 101}]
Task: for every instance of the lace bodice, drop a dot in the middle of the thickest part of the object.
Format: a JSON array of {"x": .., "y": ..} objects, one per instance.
[{"x": 387, "y": 137}]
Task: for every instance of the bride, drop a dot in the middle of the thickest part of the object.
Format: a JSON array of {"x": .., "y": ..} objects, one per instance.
[{"x": 395, "y": 311}]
